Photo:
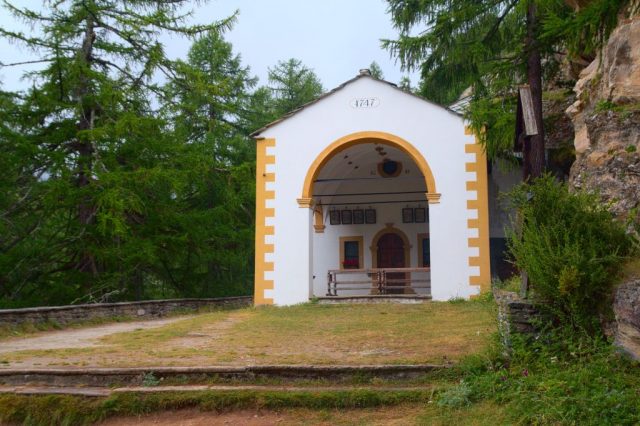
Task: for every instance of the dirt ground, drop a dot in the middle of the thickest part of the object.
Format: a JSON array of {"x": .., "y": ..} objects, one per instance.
[
  {"x": 404, "y": 415},
  {"x": 78, "y": 338}
]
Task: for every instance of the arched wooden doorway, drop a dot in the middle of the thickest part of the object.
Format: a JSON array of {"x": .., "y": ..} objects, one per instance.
[
  {"x": 391, "y": 255},
  {"x": 390, "y": 251},
  {"x": 390, "y": 248}
]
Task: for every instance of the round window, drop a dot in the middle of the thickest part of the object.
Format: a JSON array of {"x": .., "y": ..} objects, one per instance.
[{"x": 389, "y": 168}]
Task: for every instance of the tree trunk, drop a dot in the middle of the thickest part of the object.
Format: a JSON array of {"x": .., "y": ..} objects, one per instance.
[
  {"x": 86, "y": 210},
  {"x": 534, "y": 152}
]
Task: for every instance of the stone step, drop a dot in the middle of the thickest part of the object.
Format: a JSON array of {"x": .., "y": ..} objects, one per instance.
[
  {"x": 110, "y": 377},
  {"x": 375, "y": 299},
  {"x": 105, "y": 392}
]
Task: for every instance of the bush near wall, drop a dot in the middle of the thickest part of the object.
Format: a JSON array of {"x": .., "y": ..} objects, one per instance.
[{"x": 571, "y": 248}]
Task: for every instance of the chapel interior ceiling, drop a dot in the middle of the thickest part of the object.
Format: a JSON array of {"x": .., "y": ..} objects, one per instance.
[{"x": 366, "y": 173}]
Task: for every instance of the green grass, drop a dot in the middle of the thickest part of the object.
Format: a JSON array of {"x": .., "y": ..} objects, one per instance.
[
  {"x": 556, "y": 379},
  {"x": 72, "y": 410},
  {"x": 436, "y": 332},
  {"x": 344, "y": 408}
]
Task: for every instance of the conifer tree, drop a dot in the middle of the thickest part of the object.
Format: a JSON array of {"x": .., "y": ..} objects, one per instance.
[
  {"x": 101, "y": 165},
  {"x": 292, "y": 84},
  {"x": 492, "y": 48},
  {"x": 211, "y": 97},
  {"x": 376, "y": 71}
]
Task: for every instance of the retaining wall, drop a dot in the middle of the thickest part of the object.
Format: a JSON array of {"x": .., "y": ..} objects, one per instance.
[{"x": 142, "y": 309}]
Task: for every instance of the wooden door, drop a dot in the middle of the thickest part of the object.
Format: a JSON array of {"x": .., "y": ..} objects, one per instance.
[{"x": 391, "y": 255}]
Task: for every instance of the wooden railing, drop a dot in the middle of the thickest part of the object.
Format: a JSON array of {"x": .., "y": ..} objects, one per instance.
[{"x": 382, "y": 281}]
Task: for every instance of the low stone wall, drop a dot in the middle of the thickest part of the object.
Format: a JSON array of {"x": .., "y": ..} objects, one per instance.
[
  {"x": 143, "y": 309},
  {"x": 519, "y": 316},
  {"x": 82, "y": 377},
  {"x": 515, "y": 315},
  {"x": 626, "y": 307}
]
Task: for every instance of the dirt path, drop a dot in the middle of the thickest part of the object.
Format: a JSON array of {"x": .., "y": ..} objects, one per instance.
[
  {"x": 389, "y": 416},
  {"x": 79, "y": 338}
]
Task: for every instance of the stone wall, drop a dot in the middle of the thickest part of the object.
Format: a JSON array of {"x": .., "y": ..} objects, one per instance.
[
  {"x": 515, "y": 315},
  {"x": 626, "y": 307},
  {"x": 143, "y": 309},
  {"x": 519, "y": 316}
]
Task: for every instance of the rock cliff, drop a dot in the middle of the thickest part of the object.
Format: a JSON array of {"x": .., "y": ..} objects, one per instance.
[{"x": 606, "y": 119}]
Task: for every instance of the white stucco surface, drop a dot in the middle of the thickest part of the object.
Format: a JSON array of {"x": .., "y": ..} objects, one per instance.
[{"x": 439, "y": 135}]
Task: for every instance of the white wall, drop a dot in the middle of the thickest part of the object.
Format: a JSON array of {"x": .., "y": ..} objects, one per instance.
[
  {"x": 326, "y": 246},
  {"x": 437, "y": 133}
]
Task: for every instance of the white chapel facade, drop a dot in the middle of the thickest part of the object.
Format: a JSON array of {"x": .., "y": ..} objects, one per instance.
[{"x": 374, "y": 186}]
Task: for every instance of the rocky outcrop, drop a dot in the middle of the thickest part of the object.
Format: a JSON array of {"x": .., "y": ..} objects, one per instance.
[
  {"x": 606, "y": 119},
  {"x": 627, "y": 312}
]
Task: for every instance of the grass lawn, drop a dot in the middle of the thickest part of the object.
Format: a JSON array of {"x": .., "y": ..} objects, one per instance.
[
  {"x": 243, "y": 408},
  {"x": 436, "y": 332},
  {"x": 406, "y": 414}
]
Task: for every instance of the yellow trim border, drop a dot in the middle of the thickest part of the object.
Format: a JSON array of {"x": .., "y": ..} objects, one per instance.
[
  {"x": 358, "y": 138},
  {"x": 481, "y": 223},
  {"x": 262, "y": 214}
]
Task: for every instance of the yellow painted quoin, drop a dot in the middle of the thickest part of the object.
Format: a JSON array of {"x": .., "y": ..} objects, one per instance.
[
  {"x": 263, "y": 213},
  {"x": 481, "y": 222},
  {"x": 358, "y": 138}
]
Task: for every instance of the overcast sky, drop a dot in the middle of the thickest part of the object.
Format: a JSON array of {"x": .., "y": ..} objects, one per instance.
[{"x": 333, "y": 37}]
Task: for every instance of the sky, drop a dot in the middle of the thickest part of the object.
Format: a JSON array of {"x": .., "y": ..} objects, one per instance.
[{"x": 335, "y": 38}]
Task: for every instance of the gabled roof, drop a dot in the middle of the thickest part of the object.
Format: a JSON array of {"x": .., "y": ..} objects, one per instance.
[{"x": 364, "y": 73}]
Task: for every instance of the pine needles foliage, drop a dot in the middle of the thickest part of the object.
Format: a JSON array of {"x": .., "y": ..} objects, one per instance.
[
  {"x": 477, "y": 50},
  {"x": 127, "y": 174}
]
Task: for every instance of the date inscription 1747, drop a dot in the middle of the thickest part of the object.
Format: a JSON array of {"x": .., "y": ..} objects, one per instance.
[{"x": 362, "y": 103}]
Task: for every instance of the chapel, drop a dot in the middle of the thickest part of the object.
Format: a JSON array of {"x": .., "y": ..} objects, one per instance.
[{"x": 372, "y": 192}]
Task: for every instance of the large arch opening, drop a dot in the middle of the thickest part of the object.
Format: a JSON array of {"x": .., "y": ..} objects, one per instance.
[
  {"x": 370, "y": 193},
  {"x": 369, "y": 137}
]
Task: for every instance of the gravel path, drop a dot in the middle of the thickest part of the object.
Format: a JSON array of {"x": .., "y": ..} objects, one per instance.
[{"x": 78, "y": 338}]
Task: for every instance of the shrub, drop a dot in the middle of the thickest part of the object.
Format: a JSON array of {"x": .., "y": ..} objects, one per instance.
[
  {"x": 570, "y": 247},
  {"x": 456, "y": 396}
]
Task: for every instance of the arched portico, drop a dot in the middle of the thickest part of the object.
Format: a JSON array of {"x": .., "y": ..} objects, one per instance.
[
  {"x": 352, "y": 176},
  {"x": 361, "y": 138}
]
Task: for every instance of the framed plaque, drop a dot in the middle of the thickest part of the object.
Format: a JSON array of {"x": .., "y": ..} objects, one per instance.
[
  {"x": 407, "y": 215},
  {"x": 346, "y": 217},
  {"x": 358, "y": 217},
  {"x": 334, "y": 217},
  {"x": 370, "y": 216},
  {"x": 420, "y": 215}
]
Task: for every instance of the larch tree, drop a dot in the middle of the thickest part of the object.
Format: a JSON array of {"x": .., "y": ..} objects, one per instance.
[
  {"x": 489, "y": 46},
  {"x": 376, "y": 71},
  {"x": 97, "y": 152},
  {"x": 211, "y": 98},
  {"x": 292, "y": 84},
  {"x": 493, "y": 47}
]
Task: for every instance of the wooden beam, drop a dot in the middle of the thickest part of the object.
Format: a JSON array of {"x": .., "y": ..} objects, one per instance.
[{"x": 528, "y": 114}]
